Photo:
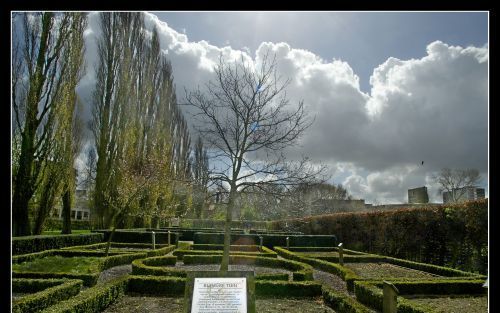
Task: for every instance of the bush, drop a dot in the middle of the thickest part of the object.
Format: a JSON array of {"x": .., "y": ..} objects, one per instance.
[
  {"x": 452, "y": 235},
  {"x": 268, "y": 240},
  {"x": 154, "y": 266},
  {"x": 300, "y": 271},
  {"x": 93, "y": 299},
  {"x": 343, "y": 272},
  {"x": 342, "y": 303},
  {"x": 267, "y": 288},
  {"x": 62, "y": 290},
  {"x": 181, "y": 253},
  {"x": 139, "y": 236},
  {"x": 88, "y": 279},
  {"x": 56, "y": 224},
  {"x": 152, "y": 285},
  {"x": 30, "y": 244}
]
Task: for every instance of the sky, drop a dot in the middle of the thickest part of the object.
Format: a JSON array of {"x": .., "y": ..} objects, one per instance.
[{"x": 387, "y": 90}]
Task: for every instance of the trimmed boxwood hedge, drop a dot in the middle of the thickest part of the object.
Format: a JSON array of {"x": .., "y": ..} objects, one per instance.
[
  {"x": 342, "y": 303},
  {"x": 245, "y": 248},
  {"x": 181, "y": 253},
  {"x": 174, "y": 286},
  {"x": 343, "y": 272},
  {"x": 269, "y": 288},
  {"x": 153, "y": 285},
  {"x": 91, "y": 279},
  {"x": 30, "y": 244},
  {"x": 154, "y": 266},
  {"x": 138, "y": 236},
  {"x": 268, "y": 240},
  {"x": 46, "y": 293},
  {"x": 300, "y": 271},
  {"x": 370, "y": 292},
  {"x": 88, "y": 279},
  {"x": 93, "y": 299}
]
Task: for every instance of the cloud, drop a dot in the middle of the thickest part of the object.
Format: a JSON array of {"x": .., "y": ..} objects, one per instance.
[{"x": 433, "y": 109}]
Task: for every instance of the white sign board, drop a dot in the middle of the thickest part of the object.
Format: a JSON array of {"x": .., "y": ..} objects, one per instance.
[{"x": 219, "y": 295}]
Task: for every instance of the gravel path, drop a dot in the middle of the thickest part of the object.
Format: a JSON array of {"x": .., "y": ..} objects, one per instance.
[
  {"x": 330, "y": 280},
  {"x": 114, "y": 272}
]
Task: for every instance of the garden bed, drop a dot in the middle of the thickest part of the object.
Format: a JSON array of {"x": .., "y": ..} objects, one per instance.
[
  {"x": 234, "y": 267},
  {"x": 139, "y": 304},
  {"x": 452, "y": 304},
  {"x": 60, "y": 264},
  {"x": 386, "y": 271}
]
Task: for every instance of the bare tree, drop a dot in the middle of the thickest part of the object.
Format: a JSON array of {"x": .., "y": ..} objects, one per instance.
[
  {"x": 457, "y": 181},
  {"x": 244, "y": 112}
]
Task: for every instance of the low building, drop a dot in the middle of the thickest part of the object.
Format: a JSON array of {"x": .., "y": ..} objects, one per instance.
[
  {"x": 463, "y": 194},
  {"x": 418, "y": 195},
  {"x": 80, "y": 210}
]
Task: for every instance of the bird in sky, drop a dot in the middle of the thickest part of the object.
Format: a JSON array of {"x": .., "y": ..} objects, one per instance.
[{"x": 422, "y": 162}]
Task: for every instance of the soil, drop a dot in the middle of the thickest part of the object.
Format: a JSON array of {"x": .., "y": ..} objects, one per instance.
[
  {"x": 142, "y": 304},
  {"x": 386, "y": 270},
  {"x": 114, "y": 272},
  {"x": 330, "y": 280},
  {"x": 478, "y": 304}
]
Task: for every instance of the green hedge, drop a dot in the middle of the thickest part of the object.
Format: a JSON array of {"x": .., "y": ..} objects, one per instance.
[
  {"x": 300, "y": 271},
  {"x": 246, "y": 248},
  {"x": 342, "y": 303},
  {"x": 32, "y": 256},
  {"x": 268, "y": 288},
  {"x": 138, "y": 236},
  {"x": 181, "y": 253},
  {"x": 370, "y": 292},
  {"x": 154, "y": 266},
  {"x": 31, "y": 285},
  {"x": 30, "y": 244},
  {"x": 45, "y": 298},
  {"x": 153, "y": 285},
  {"x": 174, "y": 286},
  {"x": 93, "y": 299},
  {"x": 88, "y": 279},
  {"x": 56, "y": 224},
  {"x": 40, "y": 300},
  {"x": 272, "y": 276},
  {"x": 452, "y": 235},
  {"x": 268, "y": 240},
  {"x": 430, "y": 268},
  {"x": 343, "y": 272}
]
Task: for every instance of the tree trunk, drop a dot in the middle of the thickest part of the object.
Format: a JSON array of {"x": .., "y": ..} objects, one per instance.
[
  {"x": 46, "y": 203},
  {"x": 66, "y": 211},
  {"x": 224, "y": 266},
  {"x": 23, "y": 188}
]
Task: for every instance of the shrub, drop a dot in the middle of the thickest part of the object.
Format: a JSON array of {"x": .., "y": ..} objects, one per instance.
[
  {"x": 300, "y": 271},
  {"x": 64, "y": 289},
  {"x": 164, "y": 286},
  {"x": 88, "y": 279},
  {"x": 93, "y": 299},
  {"x": 56, "y": 224},
  {"x": 342, "y": 303},
  {"x": 453, "y": 235},
  {"x": 267, "y": 288},
  {"x": 153, "y": 266},
  {"x": 181, "y": 253},
  {"x": 30, "y": 244},
  {"x": 268, "y": 240},
  {"x": 139, "y": 236}
]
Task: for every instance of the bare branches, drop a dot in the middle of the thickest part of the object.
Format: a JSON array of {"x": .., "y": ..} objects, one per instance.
[{"x": 457, "y": 181}]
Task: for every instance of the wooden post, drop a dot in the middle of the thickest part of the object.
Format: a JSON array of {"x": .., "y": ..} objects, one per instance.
[
  {"x": 288, "y": 243},
  {"x": 341, "y": 253},
  {"x": 261, "y": 239},
  {"x": 169, "y": 237},
  {"x": 154, "y": 241},
  {"x": 390, "y": 302}
]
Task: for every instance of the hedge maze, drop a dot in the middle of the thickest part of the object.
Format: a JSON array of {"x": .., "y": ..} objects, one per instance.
[{"x": 162, "y": 271}]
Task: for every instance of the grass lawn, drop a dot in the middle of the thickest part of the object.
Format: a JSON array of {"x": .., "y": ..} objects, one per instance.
[
  {"x": 385, "y": 270},
  {"x": 58, "y": 232},
  {"x": 443, "y": 304},
  {"x": 59, "y": 264}
]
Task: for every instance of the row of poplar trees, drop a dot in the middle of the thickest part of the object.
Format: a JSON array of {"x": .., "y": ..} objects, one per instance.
[{"x": 140, "y": 136}]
